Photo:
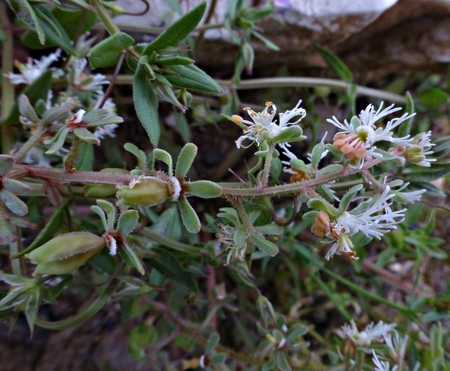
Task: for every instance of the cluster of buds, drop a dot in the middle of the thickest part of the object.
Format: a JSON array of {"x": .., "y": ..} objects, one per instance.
[{"x": 352, "y": 146}]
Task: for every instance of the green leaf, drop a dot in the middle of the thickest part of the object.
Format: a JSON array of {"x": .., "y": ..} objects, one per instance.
[
  {"x": 433, "y": 97},
  {"x": 13, "y": 203},
  {"x": 168, "y": 265},
  {"x": 426, "y": 174},
  {"x": 32, "y": 307},
  {"x": 53, "y": 29},
  {"x": 49, "y": 230},
  {"x": 25, "y": 11},
  {"x": 348, "y": 197},
  {"x": 70, "y": 21},
  {"x": 146, "y": 105},
  {"x": 107, "y": 52},
  {"x": 37, "y": 90},
  {"x": 176, "y": 32},
  {"x": 268, "y": 247},
  {"x": 193, "y": 78},
  {"x": 185, "y": 159},
  {"x": 213, "y": 341},
  {"x": 316, "y": 154},
  {"x": 189, "y": 216},
  {"x": 127, "y": 222},
  {"x": 165, "y": 157},
  {"x": 405, "y": 127},
  {"x": 86, "y": 136},
  {"x": 129, "y": 256},
  {"x": 133, "y": 149},
  {"x": 85, "y": 159},
  {"x": 6, "y": 164},
  {"x": 335, "y": 63},
  {"x": 110, "y": 211}
]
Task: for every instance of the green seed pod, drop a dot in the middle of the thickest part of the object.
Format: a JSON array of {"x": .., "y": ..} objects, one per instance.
[
  {"x": 66, "y": 253},
  {"x": 103, "y": 190},
  {"x": 147, "y": 192}
]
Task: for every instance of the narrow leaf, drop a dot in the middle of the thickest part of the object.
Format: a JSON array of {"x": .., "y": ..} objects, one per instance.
[
  {"x": 146, "y": 105},
  {"x": 192, "y": 78},
  {"x": 176, "y": 32},
  {"x": 335, "y": 63}
]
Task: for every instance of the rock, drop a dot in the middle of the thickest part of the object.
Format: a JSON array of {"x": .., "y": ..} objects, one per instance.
[{"x": 374, "y": 37}]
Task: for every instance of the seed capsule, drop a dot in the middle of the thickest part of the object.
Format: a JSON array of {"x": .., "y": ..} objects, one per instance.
[
  {"x": 145, "y": 192},
  {"x": 66, "y": 253}
]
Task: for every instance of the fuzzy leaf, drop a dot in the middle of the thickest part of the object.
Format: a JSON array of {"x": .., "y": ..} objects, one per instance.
[
  {"x": 165, "y": 157},
  {"x": 6, "y": 164},
  {"x": 189, "y": 216},
  {"x": 426, "y": 174},
  {"x": 268, "y": 247},
  {"x": 107, "y": 52},
  {"x": 127, "y": 222},
  {"x": 13, "y": 203},
  {"x": 185, "y": 159}
]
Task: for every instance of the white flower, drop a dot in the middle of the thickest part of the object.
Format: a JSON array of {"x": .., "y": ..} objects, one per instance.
[
  {"x": 85, "y": 82},
  {"x": 369, "y": 334},
  {"x": 263, "y": 127},
  {"x": 226, "y": 237},
  {"x": 410, "y": 197},
  {"x": 373, "y": 217},
  {"x": 356, "y": 139},
  {"x": 375, "y": 221},
  {"x": 105, "y": 131},
  {"x": 36, "y": 156},
  {"x": 396, "y": 345},
  {"x": 33, "y": 69},
  {"x": 380, "y": 365}
]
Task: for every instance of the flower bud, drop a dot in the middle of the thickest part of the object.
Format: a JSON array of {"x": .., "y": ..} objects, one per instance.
[
  {"x": 146, "y": 192},
  {"x": 66, "y": 253}
]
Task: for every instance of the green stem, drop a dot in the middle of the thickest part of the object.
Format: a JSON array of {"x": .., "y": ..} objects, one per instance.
[
  {"x": 7, "y": 101},
  {"x": 71, "y": 160},
  {"x": 104, "y": 16},
  {"x": 267, "y": 164},
  {"x": 37, "y": 135},
  {"x": 81, "y": 317},
  {"x": 283, "y": 82}
]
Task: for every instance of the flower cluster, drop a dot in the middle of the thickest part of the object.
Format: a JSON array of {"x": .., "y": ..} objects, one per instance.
[
  {"x": 374, "y": 218},
  {"x": 264, "y": 128},
  {"x": 33, "y": 69},
  {"x": 84, "y": 94},
  {"x": 370, "y": 333}
]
